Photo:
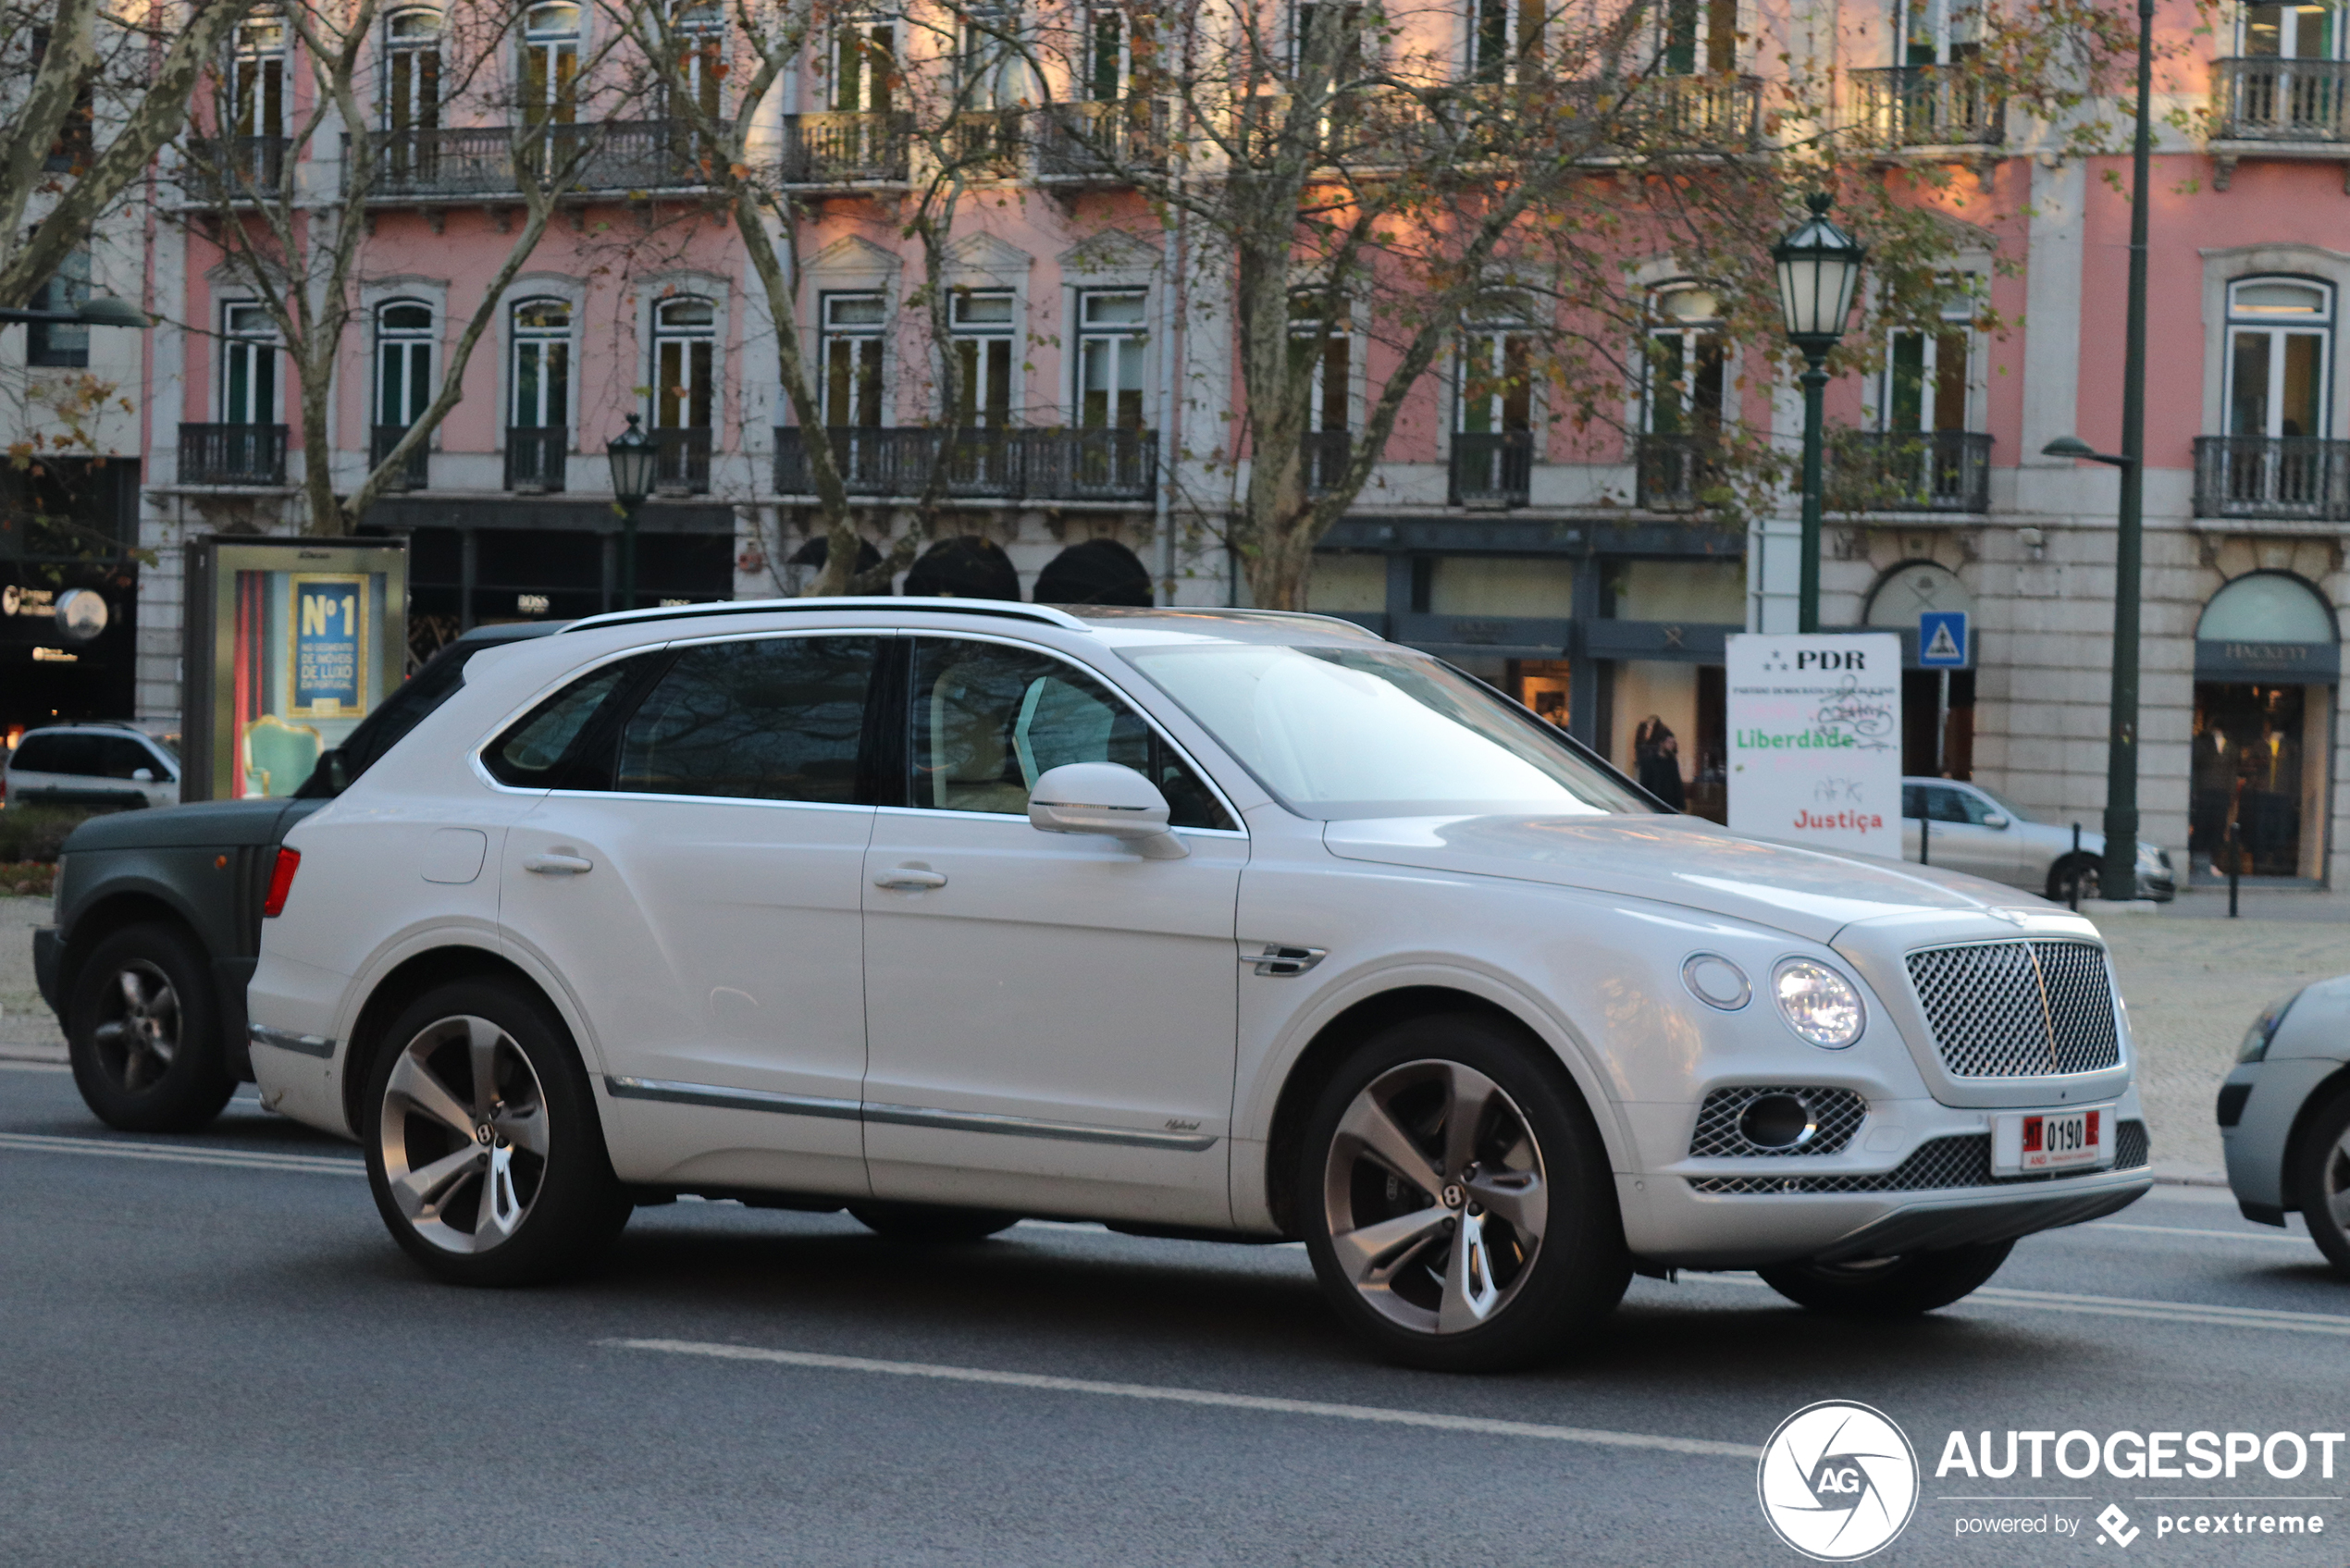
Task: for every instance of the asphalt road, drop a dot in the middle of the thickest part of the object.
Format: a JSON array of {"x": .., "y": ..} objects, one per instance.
[{"x": 210, "y": 1352}]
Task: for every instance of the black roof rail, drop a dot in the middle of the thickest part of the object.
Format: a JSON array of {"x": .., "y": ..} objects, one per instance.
[{"x": 997, "y": 607}]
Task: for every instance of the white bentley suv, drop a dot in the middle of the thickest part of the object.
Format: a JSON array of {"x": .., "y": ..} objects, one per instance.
[{"x": 1195, "y": 922}]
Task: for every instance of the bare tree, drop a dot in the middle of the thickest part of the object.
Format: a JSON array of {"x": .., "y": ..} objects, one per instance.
[{"x": 288, "y": 205}]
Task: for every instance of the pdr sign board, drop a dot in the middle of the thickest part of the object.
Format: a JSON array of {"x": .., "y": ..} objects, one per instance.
[{"x": 1815, "y": 740}]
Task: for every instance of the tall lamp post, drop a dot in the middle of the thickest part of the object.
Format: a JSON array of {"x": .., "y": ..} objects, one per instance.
[
  {"x": 632, "y": 480},
  {"x": 99, "y": 310},
  {"x": 2118, "y": 876},
  {"x": 1819, "y": 268}
]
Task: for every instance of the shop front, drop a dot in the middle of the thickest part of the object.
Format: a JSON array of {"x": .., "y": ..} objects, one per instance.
[
  {"x": 69, "y": 592},
  {"x": 2268, "y": 659}
]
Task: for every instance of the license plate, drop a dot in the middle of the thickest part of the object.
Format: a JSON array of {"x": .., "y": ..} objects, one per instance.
[{"x": 2038, "y": 1141}]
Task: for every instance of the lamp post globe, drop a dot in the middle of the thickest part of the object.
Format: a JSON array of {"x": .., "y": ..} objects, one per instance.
[
  {"x": 632, "y": 456},
  {"x": 1819, "y": 266}
]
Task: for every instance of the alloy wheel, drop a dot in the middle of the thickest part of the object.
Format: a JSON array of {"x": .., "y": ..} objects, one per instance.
[
  {"x": 137, "y": 1031},
  {"x": 2336, "y": 1184},
  {"x": 1435, "y": 1196},
  {"x": 465, "y": 1134}
]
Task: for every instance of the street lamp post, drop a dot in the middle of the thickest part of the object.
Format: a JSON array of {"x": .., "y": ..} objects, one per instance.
[
  {"x": 2118, "y": 876},
  {"x": 100, "y": 310},
  {"x": 632, "y": 480},
  {"x": 1819, "y": 268}
]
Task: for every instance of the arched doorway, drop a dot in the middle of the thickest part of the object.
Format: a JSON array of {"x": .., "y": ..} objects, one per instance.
[
  {"x": 1096, "y": 572},
  {"x": 1938, "y": 706},
  {"x": 2266, "y": 657},
  {"x": 969, "y": 566}
]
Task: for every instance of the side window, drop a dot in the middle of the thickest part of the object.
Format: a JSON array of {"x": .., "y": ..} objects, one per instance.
[
  {"x": 1978, "y": 810},
  {"x": 532, "y": 754},
  {"x": 989, "y": 721},
  {"x": 1944, "y": 805},
  {"x": 120, "y": 757},
  {"x": 779, "y": 719},
  {"x": 60, "y": 754},
  {"x": 1913, "y": 802}
]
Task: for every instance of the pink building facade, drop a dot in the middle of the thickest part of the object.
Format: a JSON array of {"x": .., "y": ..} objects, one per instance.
[{"x": 1580, "y": 577}]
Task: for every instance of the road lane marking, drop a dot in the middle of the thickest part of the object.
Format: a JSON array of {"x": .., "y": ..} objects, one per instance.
[
  {"x": 2115, "y": 1306},
  {"x": 40, "y": 1143},
  {"x": 2284, "y": 1235},
  {"x": 1475, "y": 1424}
]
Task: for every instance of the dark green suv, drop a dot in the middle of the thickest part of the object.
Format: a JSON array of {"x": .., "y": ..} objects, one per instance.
[{"x": 159, "y": 922}]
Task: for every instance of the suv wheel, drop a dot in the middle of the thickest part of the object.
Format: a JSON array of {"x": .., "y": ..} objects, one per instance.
[
  {"x": 144, "y": 1034},
  {"x": 1456, "y": 1201},
  {"x": 2322, "y": 1180},
  {"x": 483, "y": 1145},
  {"x": 1896, "y": 1286}
]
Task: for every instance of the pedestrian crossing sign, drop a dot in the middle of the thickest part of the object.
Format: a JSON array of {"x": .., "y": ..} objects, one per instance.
[{"x": 1942, "y": 639}]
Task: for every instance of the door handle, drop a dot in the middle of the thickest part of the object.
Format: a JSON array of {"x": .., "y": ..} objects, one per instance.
[
  {"x": 557, "y": 865},
  {"x": 908, "y": 878}
]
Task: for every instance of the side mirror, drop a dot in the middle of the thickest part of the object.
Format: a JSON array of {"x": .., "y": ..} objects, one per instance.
[
  {"x": 142, "y": 775},
  {"x": 1995, "y": 819},
  {"x": 1106, "y": 798}
]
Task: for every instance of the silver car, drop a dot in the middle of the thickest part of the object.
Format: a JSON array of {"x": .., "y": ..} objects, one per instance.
[
  {"x": 2284, "y": 1116},
  {"x": 94, "y": 764},
  {"x": 1967, "y": 828}
]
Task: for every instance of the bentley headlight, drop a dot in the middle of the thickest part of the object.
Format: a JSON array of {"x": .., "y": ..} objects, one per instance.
[{"x": 1818, "y": 1004}]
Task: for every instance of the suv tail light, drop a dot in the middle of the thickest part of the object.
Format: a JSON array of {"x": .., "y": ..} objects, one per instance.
[{"x": 281, "y": 877}]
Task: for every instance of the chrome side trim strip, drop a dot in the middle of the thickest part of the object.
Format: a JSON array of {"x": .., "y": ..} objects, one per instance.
[
  {"x": 729, "y": 1099},
  {"x": 287, "y": 1040},
  {"x": 899, "y": 1115},
  {"x": 1028, "y": 1127}
]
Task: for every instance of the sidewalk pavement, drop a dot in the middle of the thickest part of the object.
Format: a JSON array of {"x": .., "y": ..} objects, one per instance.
[{"x": 28, "y": 1030}]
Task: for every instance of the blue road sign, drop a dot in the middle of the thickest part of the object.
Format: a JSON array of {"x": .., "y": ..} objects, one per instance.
[{"x": 1942, "y": 643}]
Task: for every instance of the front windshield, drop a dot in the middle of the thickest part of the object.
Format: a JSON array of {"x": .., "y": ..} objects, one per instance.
[{"x": 1363, "y": 732}]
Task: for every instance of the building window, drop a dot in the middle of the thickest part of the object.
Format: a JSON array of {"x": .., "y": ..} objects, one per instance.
[
  {"x": 991, "y": 73},
  {"x": 1935, "y": 32},
  {"x": 248, "y": 365},
  {"x": 257, "y": 78},
  {"x": 60, "y": 342},
  {"x": 2291, "y": 33},
  {"x": 1505, "y": 37},
  {"x": 1331, "y": 355},
  {"x": 1112, "y": 339},
  {"x": 702, "y": 49},
  {"x": 684, "y": 344},
  {"x": 1496, "y": 391},
  {"x": 864, "y": 67},
  {"x": 1698, "y": 35},
  {"x": 2280, "y": 345},
  {"x": 1688, "y": 368},
  {"x": 550, "y": 65},
  {"x": 1928, "y": 375},
  {"x": 542, "y": 365},
  {"x": 76, "y": 142},
  {"x": 412, "y": 72},
  {"x": 1109, "y": 55},
  {"x": 403, "y": 362},
  {"x": 851, "y": 329},
  {"x": 981, "y": 322}
]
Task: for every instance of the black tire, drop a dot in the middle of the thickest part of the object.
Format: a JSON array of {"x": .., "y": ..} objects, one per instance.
[
  {"x": 145, "y": 1032},
  {"x": 1896, "y": 1286},
  {"x": 2322, "y": 1180},
  {"x": 2065, "y": 872},
  {"x": 930, "y": 1225},
  {"x": 1549, "y": 1272},
  {"x": 532, "y": 1172}
]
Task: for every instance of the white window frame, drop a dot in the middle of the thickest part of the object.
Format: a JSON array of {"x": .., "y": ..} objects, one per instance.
[
  {"x": 520, "y": 336},
  {"x": 2242, "y": 323},
  {"x": 250, "y": 337},
  {"x": 415, "y": 348},
  {"x": 831, "y": 332}
]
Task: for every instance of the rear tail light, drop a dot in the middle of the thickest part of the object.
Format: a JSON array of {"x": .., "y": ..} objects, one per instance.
[{"x": 281, "y": 877}]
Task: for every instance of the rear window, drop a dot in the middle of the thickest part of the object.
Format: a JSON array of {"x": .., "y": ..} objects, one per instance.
[{"x": 538, "y": 752}]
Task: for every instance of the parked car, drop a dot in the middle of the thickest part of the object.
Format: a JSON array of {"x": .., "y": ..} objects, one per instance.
[
  {"x": 95, "y": 764},
  {"x": 159, "y": 919},
  {"x": 1197, "y": 923},
  {"x": 2284, "y": 1116},
  {"x": 1968, "y": 828}
]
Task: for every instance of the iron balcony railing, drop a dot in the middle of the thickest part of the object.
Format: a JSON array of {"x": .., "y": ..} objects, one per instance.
[
  {"x": 410, "y": 475},
  {"x": 1094, "y": 141},
  {"x": 1492, "y": 469},
  {"x": 1909, "y": 471},
  {"x": 1673, "y": 470},
  {"x": 846, "y": 149},
  {"x": 680, "y": 461},
  {"x": 234, "y": 168},
  {"x": 1016, "y": 465},
  {"x": 2280, "y": 100},
  {"x": 1929, "y": 106},
  {"x": 482, "y": 160},
  {"x": 232, "y": 454},
  {"x": 1691, "y": 112},
  {"x": 2298, "y": 476},
  {"x": 535, "y": 455}
]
